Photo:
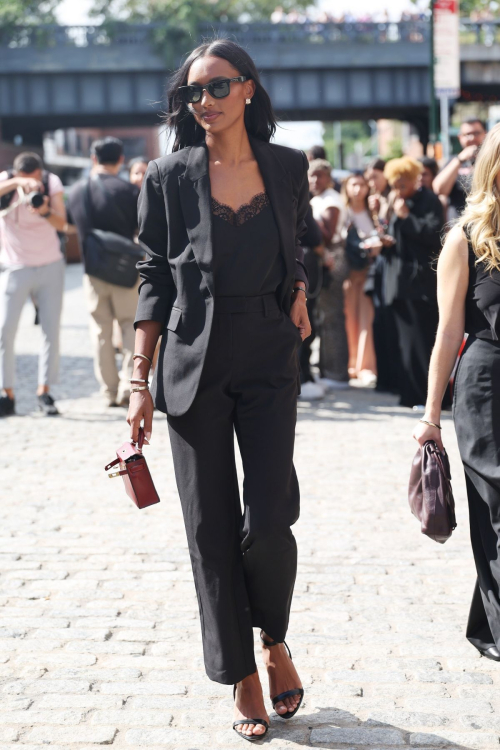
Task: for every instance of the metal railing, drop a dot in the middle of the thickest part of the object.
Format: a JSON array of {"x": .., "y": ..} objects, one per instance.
[
  {"x": 130, "y": 35},
  {"x": 319, "y": 33},
  {"x": 49, "y": 36},
  {"x": 480, "y": 32}
]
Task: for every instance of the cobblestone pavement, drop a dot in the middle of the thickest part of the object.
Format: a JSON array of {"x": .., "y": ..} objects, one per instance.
[{"x": 99, "y": 635}]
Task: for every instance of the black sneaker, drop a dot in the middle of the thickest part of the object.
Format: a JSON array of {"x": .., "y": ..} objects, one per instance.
[
  {"x": 7, "y": 406},
  {"x": 47, "y": 405}
]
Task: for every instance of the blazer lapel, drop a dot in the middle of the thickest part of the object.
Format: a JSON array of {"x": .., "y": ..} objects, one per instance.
[
  {"x": 279, "y": 189},
  {"x": 194, "y": 191}
]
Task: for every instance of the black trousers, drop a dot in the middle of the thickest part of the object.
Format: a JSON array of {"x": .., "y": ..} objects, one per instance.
[
  {"x": 416, "y": 323},
  {"x": 476, "y": 411},
  {"x": 244, "y": 561},
  {"x": 385, "y": 339}
]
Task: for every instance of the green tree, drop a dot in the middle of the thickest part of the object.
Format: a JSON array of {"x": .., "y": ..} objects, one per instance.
[
  {"x": 177, "y": 21},
  {"x": 187, "y": 14},
  {"x": 25, "y": 13},
  {"x": 477, "y": 6}
]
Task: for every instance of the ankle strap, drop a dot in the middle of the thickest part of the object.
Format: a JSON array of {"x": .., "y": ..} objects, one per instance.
[{"x": 269, "y": 644}]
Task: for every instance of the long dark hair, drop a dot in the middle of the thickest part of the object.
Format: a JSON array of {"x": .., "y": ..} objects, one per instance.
[{"x": 260, "y": 120}]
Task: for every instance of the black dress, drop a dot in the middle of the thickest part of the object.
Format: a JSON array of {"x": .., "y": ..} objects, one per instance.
[
  {"x": 476, "y": 411},
  {"x": 244, "y": 563}
]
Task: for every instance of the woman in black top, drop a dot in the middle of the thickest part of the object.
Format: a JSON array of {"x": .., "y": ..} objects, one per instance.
[
  {"x": 225, "y": 285},
  {"x": 416, "y": 223},
  {"x": 469, "y": 300}
]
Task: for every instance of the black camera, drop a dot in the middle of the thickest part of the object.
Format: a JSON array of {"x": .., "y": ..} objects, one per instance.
[{"x": 35, "y": 199}]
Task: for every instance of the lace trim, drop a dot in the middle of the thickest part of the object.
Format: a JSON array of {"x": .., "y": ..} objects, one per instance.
[{"x": 243, "y": 213}]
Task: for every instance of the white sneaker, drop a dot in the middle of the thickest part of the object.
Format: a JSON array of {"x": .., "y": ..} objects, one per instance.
[
  {"x": 333, "y": 385},
  {"x": 311, "y": 391},
  {"x": 367, "y": 377}
]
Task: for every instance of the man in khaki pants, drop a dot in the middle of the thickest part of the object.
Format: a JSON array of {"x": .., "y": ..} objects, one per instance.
[{"x": 112, "y": 208}]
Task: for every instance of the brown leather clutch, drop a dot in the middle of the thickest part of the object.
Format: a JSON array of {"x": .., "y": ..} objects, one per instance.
[
  {"x": 430, "y": 495},
  {"x": 135, "y": 473}
]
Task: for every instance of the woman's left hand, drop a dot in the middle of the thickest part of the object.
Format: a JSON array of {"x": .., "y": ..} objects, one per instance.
[{"x": 299, "y": 315}]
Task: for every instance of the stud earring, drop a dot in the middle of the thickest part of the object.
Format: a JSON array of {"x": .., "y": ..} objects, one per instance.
[{"x": 247, "y": 101}]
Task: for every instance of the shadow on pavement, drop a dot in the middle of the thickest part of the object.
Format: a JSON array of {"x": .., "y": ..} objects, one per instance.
[
  {"x": 336, "y": 728},
  {"x": 344, "y": 405}
]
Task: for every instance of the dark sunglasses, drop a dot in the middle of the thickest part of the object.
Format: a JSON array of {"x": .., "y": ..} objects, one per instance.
[{"x": 217, "y": 89}]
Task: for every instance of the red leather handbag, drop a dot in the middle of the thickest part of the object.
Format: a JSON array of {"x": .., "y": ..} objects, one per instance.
[{"x": 135, "y": 472}]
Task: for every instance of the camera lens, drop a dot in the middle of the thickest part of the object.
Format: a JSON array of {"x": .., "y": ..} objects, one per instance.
[{"x": 36, "y": 199}]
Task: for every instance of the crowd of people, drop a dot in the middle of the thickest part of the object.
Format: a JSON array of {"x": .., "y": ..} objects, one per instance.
[
  {"x": 373, "y": 300},
  {"x": 371, "y": 248}
]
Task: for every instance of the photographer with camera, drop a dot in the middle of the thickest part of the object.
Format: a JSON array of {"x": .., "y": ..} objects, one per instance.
[{"x": 31, "y": 213}]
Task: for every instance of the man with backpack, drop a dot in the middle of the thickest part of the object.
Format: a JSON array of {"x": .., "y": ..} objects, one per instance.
[
  {"x": 104, "y": 209},
  {"x": 31, "y": 213}
]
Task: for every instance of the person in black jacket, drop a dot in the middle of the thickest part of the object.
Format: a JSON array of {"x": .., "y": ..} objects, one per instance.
[
  {"x": 225, "y": 285},
  {"x": 416, "y": 223}
]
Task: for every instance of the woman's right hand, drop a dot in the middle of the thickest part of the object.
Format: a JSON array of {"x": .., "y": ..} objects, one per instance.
[
  {"x": 423, "y": 432},
  {"x": 140, "y": 408}
]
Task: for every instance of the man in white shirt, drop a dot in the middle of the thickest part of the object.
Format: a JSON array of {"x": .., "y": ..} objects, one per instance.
[{"x": 329, "y": 211}]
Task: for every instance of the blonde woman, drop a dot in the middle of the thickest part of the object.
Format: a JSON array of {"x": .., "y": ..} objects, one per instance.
[
  {"x": 415, "y": 224},
  {"x": 469, "y": 300}
]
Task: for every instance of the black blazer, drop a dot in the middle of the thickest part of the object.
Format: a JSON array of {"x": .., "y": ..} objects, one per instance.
[
  {"x": 418, "y": 244},
  {"x": 177, "y": 284}
]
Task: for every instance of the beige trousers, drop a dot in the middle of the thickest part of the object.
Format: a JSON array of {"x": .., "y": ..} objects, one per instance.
[{"x": 107, "y": 302}]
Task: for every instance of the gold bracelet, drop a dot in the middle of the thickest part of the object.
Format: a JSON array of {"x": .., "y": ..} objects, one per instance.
[
  {"x": 140, "y": 388},
  {"x": 431, "y": 424},
  {"x": 143, "y": 356}
]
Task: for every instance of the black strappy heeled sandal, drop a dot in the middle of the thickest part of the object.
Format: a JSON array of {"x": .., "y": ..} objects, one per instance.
[
  {"x": 288, "y": 693},
  {"x": 250, "y": 737}
]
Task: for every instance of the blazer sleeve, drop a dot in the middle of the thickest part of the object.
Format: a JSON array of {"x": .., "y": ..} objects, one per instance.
[
  {"x": 302, "y": 208},
  {"x": 157, "y": 284}
]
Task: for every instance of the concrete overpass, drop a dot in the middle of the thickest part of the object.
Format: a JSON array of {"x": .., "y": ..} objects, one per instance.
[{"x": 54, "y": 77}]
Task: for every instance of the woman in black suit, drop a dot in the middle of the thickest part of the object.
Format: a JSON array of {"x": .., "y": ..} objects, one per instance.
[
  {"x": 416, "y": 223},
  {"x": 225, "y": 286}
]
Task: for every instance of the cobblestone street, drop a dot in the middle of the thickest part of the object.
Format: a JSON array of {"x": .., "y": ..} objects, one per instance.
[{"x": 99, "y": 635}]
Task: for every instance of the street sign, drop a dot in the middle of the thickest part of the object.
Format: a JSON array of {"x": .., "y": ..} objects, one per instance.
[{"x": 446, "y": 49}]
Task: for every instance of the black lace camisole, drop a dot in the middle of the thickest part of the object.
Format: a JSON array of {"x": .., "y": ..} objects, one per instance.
[{"x": 246, "y": 246}]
